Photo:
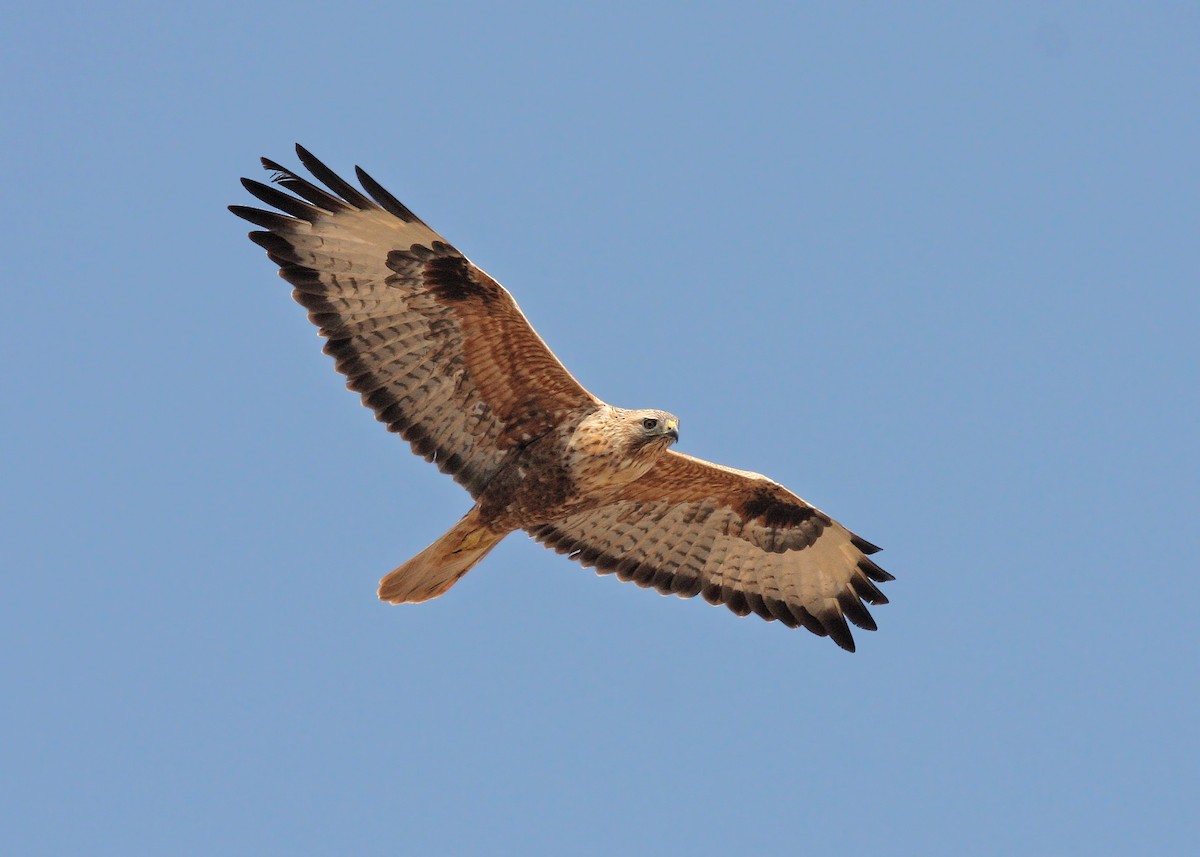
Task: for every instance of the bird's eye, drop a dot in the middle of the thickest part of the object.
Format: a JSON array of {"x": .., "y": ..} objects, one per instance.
[{"x": 649, "y": 423}]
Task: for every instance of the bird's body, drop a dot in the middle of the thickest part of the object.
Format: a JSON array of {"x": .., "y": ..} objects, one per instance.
[
  {"x": 579, "y": 465},
  {"x": 444, "y": 357}
]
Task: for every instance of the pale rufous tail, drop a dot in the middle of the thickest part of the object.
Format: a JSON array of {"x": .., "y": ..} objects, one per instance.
[{"x": 435, "y": 569}]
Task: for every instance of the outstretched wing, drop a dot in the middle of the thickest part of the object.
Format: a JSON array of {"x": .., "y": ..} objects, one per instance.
[
  {"x": 437, "y": 348},
  {"x": 691, "y": 527}
]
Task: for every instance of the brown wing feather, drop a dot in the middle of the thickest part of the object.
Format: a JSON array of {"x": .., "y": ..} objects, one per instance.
[
  {"x": 691, "y": 527},
  {"x": 437, "y": 348}
]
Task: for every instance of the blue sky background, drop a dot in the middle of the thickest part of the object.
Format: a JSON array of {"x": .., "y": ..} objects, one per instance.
[{"x": 934, "y": 267}]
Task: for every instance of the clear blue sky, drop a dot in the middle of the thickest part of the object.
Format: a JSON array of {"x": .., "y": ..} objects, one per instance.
[{"x": 935, "y": 268}]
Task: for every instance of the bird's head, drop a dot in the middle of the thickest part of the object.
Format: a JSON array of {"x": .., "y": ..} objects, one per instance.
[
  {"x": 613, "y": 446},
  {"x": 653, "y": 427}
]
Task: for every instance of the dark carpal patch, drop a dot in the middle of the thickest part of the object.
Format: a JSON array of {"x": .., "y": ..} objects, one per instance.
[
  {"x": 450, "y": 278},
  {"x": 762, "y": 505},
  {"x": 447, "y": 274}
]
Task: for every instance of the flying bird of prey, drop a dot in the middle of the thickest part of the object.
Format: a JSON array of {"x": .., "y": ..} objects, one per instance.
[{"x": 444, "y": 357}]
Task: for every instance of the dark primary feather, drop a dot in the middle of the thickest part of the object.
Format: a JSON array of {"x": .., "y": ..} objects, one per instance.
[
  {"x": 304, "y": 188},
  {"x": 385, "y": 199},
  {"x": 289, "y": 204},
  {"x": 259, "y": 217},
  {"x": 332, "y": 180}
]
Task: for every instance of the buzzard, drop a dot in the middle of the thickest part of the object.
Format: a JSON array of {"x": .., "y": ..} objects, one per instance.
[{"x": 444, "y": 357}]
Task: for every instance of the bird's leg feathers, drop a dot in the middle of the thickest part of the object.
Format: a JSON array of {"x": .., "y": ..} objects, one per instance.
[{"x": 435, "y": 569}]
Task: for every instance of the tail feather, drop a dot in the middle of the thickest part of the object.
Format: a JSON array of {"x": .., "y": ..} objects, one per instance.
[{"x": 435, "y": 569}]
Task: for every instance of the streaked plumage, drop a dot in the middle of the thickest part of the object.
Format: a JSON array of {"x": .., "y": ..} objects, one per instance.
[{"x": 443, "y": 356}]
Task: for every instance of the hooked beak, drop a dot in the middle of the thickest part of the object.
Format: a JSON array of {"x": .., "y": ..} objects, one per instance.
[{"x": 673, "y": 430}]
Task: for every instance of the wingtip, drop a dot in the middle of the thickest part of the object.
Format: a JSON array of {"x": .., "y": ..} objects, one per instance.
[
  {"x": 846, "y": 643},
  {"x": 839, "y": 631},
  {"x": 278, "y": 171},
  {"x": 310, "y": 161},
  {"x": 266, "y": 219},
  {"x": 348, "y": 193},
  {"x": 871, "y": 570},
  {"x": 864, "y": 545},
  {"x": 384, "y": 198}
]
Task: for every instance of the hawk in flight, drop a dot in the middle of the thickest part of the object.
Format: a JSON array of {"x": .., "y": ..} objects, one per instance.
[{"x": 444, "y": 357}]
